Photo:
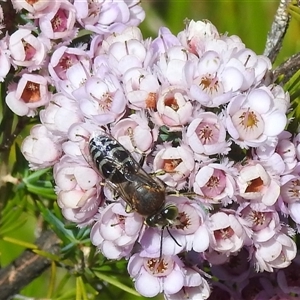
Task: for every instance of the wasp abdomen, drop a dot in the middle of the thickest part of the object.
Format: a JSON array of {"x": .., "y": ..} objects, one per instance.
[{"x": 111, "y": 159}]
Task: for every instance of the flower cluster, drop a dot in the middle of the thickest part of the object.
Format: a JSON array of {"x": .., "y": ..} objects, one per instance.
[{"x": 202, "y": 110}]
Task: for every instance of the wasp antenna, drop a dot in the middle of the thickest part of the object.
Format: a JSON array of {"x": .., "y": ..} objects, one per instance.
[
  {"x": 173, "y": 237},
  {"x": 161, "y": 243}
]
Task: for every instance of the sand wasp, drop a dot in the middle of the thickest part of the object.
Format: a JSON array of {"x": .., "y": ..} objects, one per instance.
[{"x": 143, "y": 193}]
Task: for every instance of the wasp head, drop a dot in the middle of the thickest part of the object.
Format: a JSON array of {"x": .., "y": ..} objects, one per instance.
[{"x": 163, "y": 218}]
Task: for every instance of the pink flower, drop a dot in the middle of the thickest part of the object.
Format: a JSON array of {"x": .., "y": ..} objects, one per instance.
[
  {"x": 215, "y": 183},
  {"x": 177, "y": 164},
  {"x": 64, "y": 58},
  {"x": 263, "y": 222},
  {"x": 141, "y": 88},
  {"x": 116, "y": 231},
  {"x": 195, "y": 287},
  {"x": 84, "y": 215},
  {"x": 206, "y": 134},
  {"x": 127, "y": 34},
  {"x": 257, "y": 183},
  {"x": 196, "y": 35},
  {"x": 78, "y": 189},
  {"x": 252, "y": 67},
  {"x": 171, "y": 66},
  {"x": 211, "y": 84},
  {"x": 34, "y": 146},
  {"x": 253, "y": 119},
  {"x": 5, "y": 59},
  {"x": 126, "y": 51},
  {"x": 135, "y": 134},
  {"x": 280, "y": 154},
  {"x": 174, "y": 109},
  {"x": 70, "y": 176},
  {"x": 153, "y": 276},
  {"x": 101, "y": 100},
  {"x": 227, "y": 233},
  {"x": 277, "y": 252},
  {"x": 59, "y": 22},
  {"x": 290, "y": 188},
  {"x": 31, "y": 93},
  {"x": 61, "y": 113},
  {"x": 108, "y": 16},
  {"x": 165, "y": 40},
  {"x": 35, "y": 8},
  {"x": 188, "y": 231},
  {"x": 26, "y": 49}
]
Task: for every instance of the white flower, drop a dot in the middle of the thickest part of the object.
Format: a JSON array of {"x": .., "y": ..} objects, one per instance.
[{"x": 252, "y": 119}]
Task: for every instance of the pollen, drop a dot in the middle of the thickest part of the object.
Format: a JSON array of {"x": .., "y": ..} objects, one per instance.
[
  {"x": 205, "y": 134},
  {"x": 248, "y": 119},
  {"x": 171, "y": 164},
  {"x": 172, "y": 103},
  {"x": 294, "y": 190},
  {"x": 105, "y": 102},
  {"x": 224, "y": 233},
  {"x": 157, "y": 266},
  {"x": 31, "y": 2},
  {"x": 213, "y": 182},
  {"x": 151, "y": 101},
  {"x": 258, "y": 218},
  {"x": 59, "y": 23},
  {"x": 66, "y": 62},
  {"x": 182, "y": 221},
  {"x": 255, "y": 185},
  {"x": 31, "y": 92},
  {"x": 210, "y": 84},
  {"x": 248, "y": 123}
]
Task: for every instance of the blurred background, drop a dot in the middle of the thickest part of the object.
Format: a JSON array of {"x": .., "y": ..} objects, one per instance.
[{"x": 250, "y": 20}]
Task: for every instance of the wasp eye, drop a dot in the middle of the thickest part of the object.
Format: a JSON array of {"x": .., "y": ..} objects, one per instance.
[
  {"x": 170, "y": 212},
  {"x": 164, "y": 218}
]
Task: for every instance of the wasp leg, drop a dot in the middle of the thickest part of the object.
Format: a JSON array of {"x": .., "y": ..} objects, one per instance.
[
  {"x": 178, "y": 193},
  {"x": 157, "y": 173},
  {"x": 128, "y": 209},
  {"x": 142, "y": 160},
  {"x": 144, "y": 155}
]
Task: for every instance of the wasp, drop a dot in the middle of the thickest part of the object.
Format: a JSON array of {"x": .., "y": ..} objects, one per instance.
[{"x": 142, "y": 192}]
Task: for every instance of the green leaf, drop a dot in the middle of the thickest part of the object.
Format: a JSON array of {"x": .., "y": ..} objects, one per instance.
[
  {"x": 58, "y": 227},
  {"x": 20, "y": 243},
  {"x": 114, "y": 281},
  {"x": 80, "y": 290},
  {"x": 70, "y": 294},
  {"x": 62, "y": 286},
  {"x": 41, "y": 191},
  {"x": 53, "y": 275},
  {"x": 33, "y": 177},
  {"x": 39, "y": 183},
  {"x": 294, "y": 10},
  {"x": 48, "y": 255},
  {"x": 15, "y": 225},
  {"x": 83, "y": 233},
  {"x": 11, "y": 215}
]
